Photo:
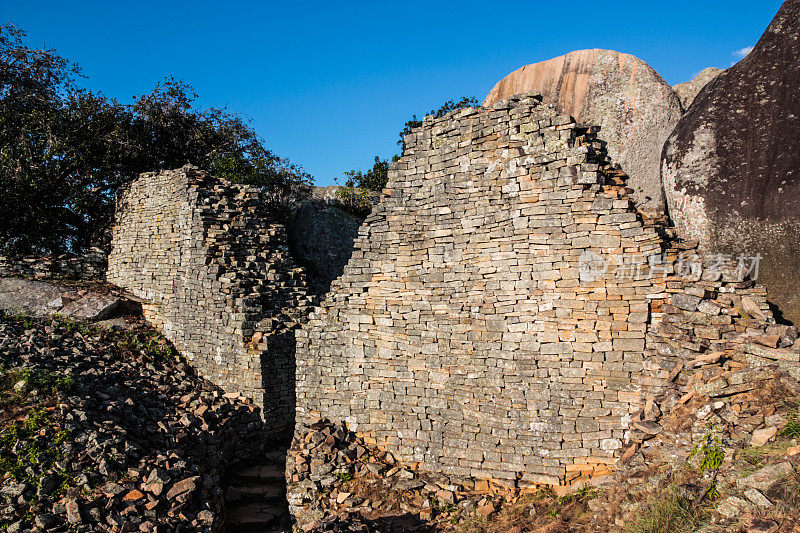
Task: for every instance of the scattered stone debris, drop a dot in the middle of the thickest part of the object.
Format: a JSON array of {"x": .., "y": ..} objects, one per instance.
[
  {"x": 337, "y": 481},
  {"x": 724, "y": 447},
  {"x": 110, "y": 431},
  {"x": 331, "y": 472}
]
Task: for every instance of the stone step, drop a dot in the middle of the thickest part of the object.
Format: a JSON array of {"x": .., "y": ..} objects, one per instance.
[
  {"x": 261, "y": 492},
  {"x": 261, "y": 517},
  {"x": 260, "y": 473},
  {"x": 255, "y": 496}
]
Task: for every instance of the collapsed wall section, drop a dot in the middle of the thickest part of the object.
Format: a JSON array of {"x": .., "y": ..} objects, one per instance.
[
  {"x": 216, "y": 277},
  {"x": 461, "y": 334}
]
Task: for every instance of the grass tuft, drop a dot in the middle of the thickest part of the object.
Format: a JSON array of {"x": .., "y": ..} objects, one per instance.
[
  {"x": 792, "y": 428},
  {"x": 668, "y": 512}
]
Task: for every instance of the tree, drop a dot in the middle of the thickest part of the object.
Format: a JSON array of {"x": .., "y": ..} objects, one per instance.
[
  {"x": 33, "y": 122},
  {"x": 374, "y": 179},
  {"x": 65, "y": 151}
]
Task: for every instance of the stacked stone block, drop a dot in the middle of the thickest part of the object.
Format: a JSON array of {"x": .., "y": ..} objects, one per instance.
[
  {"x": 710, "y": 317},
  {"x": 461, "y": 335},
  {"x": 90, "y": 265},
  {"x": 217, "y": 278},
  {"x": 490, "y": 323}
]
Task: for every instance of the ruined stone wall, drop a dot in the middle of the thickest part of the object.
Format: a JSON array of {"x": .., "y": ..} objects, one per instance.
[
  {"x": 460, "y": 334},
  {"x": 216, "y": 277},
  {"x": 497, "y": 318},
  {"x": 90, "y": 265}
]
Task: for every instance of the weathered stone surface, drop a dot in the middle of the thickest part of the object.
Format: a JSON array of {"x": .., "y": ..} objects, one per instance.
[
  {"x": 757, "y": 498},
  {"x": 634, "y": 107},
  {"x": 321, "y": 238},
  {"x": 733, "y": 506},
  {"x": 92, "y": 307},
  {"x": 41, "y": 299},
  {"x": 765, "y": 477},
  {"x": 90, "y": 265},
  {"x": 762, "y": 436},
  {"x": 182, "y": 487},
  {"x": 688, "y": 90},
  {"x": 36, "y": 298},
  {"x": 730, "y": 169}
]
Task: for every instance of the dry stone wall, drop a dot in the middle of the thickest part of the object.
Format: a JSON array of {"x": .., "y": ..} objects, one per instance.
[
  {"x": 460, "y": 334},
  {"x": 635, "y": 108},
  {"x": 90, "y": 265},
  {"x": 506, "y": 312},
  {"x": 215, "y": 275}
]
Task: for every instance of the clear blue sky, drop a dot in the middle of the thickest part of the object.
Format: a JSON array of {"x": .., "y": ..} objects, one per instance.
[{"x": 330, "y": 84}]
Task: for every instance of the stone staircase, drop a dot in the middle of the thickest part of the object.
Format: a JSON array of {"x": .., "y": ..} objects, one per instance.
[{"x": 255, "y": 496}]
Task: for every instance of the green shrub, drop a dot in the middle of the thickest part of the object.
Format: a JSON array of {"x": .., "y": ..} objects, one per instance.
[
  {"x": 711, "y": 456},
  {"x": 152, "y": 345},
  {"x": 355, "y": 200}
]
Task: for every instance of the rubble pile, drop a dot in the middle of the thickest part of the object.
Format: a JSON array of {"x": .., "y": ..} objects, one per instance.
[
  {"x": 335, "y": 475},
  {"x": 725, "y": 437},
  {"x": 129, "y": 438},
  {"x": 713, "y": 315}
]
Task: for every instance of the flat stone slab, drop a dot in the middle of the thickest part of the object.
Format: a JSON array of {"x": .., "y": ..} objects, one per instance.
[
  {"x": 41, "y": 299},
  {"x": 92, "y": 307},
  {"x": 35, "y": 298}
]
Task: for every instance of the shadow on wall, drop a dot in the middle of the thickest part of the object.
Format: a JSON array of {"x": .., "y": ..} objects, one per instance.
[
  {"x": 278, "y": 382},
  {"x": 321, "y": 239}
]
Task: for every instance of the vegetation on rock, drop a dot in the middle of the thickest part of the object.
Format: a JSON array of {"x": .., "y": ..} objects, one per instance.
[{"x": 111, "y": 430}]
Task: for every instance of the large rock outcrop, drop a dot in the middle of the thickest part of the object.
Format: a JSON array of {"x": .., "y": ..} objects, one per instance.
[
  {"x": 42, "y": 299},
  {"x": 731, "y": 169},
  {"x": 635, "y": 108},
  {"x": 688, "y": 90}
]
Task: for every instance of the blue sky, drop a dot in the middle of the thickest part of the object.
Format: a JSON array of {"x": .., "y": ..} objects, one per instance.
[{"x": 330, "y": 84}]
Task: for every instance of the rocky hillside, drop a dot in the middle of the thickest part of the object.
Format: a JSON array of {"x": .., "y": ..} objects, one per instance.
[{"x": 111, "y": 431}]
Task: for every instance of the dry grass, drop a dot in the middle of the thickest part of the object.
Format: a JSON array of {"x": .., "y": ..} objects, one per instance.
[
  {"x": 542, "y": 512},
  {"x": 786, "y": 490},
  {"x": 757, "y": 455},
  {"x": 668, "y": 512}
]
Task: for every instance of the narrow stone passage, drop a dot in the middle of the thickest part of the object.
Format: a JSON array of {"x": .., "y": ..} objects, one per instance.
[{"x": 255, "y": 496}]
